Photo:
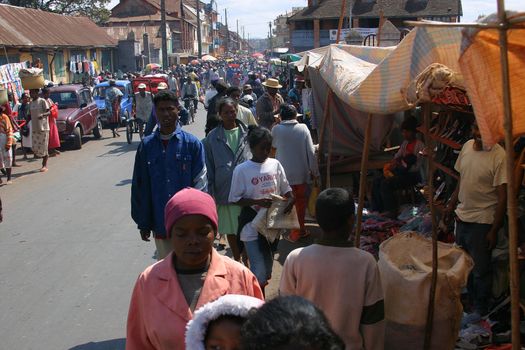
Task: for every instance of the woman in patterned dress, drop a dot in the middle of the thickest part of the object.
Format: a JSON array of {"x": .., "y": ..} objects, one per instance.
[{"x": 39, "y": 111}]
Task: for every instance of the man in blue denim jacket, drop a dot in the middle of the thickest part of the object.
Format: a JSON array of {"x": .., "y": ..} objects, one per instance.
[{"x": 167, "y": 161}]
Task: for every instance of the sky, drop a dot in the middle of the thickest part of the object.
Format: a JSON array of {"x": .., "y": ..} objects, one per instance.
[{"x": 255, "y": 15}]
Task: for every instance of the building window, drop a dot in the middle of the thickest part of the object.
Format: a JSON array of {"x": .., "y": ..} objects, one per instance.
[{"x": 59, "y": 66}]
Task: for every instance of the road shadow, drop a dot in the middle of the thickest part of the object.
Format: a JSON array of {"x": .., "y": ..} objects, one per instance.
[
  {"x": 120, "y": 148},
  {"x": 114, "y": 344},
  {"x": 124, "y": 183}
]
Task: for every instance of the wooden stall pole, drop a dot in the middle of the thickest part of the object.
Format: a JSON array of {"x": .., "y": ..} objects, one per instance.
[
  {"x": 341, "y": 19},
  {"x": 329, "y": 159},
  {"x": 430, "y": 179},
  {"x": 326, "y": 115},
  {"x": 362, "y": 181},
  {"x": 511, "y": 193}
]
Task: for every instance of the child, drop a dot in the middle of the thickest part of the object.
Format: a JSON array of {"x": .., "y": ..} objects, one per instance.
[
  {"x": 217, "y": 325},
  {"x": 353, "y": 300},
  {"x": 253, "y": 182},
  {"x": 289, "y": 323}
]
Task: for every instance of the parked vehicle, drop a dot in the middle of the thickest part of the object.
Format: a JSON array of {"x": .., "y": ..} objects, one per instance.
[
  {"x": 77, "y": 113},
  {"x": 126, "y": 104}
]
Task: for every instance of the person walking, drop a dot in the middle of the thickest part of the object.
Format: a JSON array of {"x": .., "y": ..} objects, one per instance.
[
  {"x": 39, "y": 111},
  {"x": 269, "y": 103},
  {"x": 351, "y": 298},
  {"x": 226, "y": 147},
  {"x": 166, "y": 161},
  {"x": 167, "y": 294},
  {"x": 112, "y": 101},
  {"x": 295, "y": 150},
  {"x": 244, "y": 114},
  {"x": 22, "y": 109},
  {"x": 173, "y": 84},
  {"x": 253, "y": 183},
  {"x": 6, "y": 142},
  {"x": 54, "y": 137},
  {"x": 190, "y": 94},
  {"x": 143, "y": 107}
]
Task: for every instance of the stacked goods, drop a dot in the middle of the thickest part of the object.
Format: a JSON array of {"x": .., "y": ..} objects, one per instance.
[{"x": 32, "y": 78}]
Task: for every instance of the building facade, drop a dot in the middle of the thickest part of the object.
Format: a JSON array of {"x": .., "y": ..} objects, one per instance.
[
  {"x": 315, "y": 25},
  {"x": 57, "y": 41},
  {"x": 281, "y": 31}
]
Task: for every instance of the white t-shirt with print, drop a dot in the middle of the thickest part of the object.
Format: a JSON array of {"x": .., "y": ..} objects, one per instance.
[{"x": 257, "y": 181}]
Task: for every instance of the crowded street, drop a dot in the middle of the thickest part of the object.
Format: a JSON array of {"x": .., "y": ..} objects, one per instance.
[{"x": 354, "y": 181}]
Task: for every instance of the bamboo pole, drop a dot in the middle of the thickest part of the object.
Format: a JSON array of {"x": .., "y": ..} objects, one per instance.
[
  {"x": 341, "y": 19},
  {"x": 362, "y": 181},
  {"x": 514, "y": 23},
  {"x": 430, "y": 179},
  {"x": 511, "y": 193}
]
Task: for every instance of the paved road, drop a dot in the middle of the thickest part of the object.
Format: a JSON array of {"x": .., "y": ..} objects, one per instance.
[{"x": 69, "y": 251}]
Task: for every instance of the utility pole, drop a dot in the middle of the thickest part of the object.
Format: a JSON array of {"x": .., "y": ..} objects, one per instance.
[
  {"x": 227, "y": 30},
  {"x": 243, "y": 38},
  {"x": 238, "y": 37},
  {"x": 163, "y": 34},
  {"x": 270, "y": 37},
  {"x": 199, "y": 34}
]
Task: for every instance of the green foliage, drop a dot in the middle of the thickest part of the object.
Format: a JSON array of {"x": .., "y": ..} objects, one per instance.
[{"x": 94, "y": 9}]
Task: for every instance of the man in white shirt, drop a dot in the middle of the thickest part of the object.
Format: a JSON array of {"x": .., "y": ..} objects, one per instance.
[{"x": 482, "y": 194}]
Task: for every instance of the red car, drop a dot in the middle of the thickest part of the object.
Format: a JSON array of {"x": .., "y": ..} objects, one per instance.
[{"x": 78, "y": 114}]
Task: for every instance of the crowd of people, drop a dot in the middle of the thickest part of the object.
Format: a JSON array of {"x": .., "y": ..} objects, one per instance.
[{"x": 186, "y": 193}]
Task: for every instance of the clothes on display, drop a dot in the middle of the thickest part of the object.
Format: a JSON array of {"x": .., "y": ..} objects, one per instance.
[
  {"x": 80, "y": 65},
  {"x": 9, "y": 78}
]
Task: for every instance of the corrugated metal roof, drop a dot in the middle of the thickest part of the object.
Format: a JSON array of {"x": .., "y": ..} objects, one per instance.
[{"x": 24, "y": 27}]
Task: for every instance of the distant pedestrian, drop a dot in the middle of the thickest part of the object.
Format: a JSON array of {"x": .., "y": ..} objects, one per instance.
[
  {"x": 244, "y": 114},
  {"x": 268, "y": 104},
  {"x": 295, "y": 151},
  {"x": 167, "y": 161},
  {"x": 112, "y": 101},
  {"x": 22, "y": 109},
  {"x": 54, "y": 137},
  {"x": 6, "y": 141},
  {"x": 39, "y": 111}
]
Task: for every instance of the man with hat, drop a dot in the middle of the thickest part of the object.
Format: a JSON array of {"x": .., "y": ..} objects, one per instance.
[
  {"x": 269, "y": 103},
  {"x": 142, "y": 105}
]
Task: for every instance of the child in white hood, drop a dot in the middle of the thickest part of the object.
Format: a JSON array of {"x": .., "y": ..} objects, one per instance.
[{"x": 217, "y": 325}]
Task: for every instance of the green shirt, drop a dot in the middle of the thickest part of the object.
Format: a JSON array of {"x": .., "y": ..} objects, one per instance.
[{"x": 232, "y": 138}]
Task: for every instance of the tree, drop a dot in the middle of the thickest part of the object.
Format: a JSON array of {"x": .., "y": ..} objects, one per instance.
[{"x": 94, "y": 9}]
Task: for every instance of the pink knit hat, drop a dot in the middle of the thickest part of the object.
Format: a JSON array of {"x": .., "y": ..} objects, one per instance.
[{"x": 189, "y": 201}]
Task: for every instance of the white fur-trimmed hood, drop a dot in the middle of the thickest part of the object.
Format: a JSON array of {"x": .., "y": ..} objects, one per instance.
[{"x": 232, "y": 304}]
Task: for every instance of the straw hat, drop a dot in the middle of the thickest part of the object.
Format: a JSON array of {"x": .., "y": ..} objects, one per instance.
[
  {"x": 162, "y": 86},
  {"x": 142, "y": 86},
  {"x": 272, "y": 83}
]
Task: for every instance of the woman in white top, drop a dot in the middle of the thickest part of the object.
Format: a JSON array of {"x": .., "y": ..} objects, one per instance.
[{"x": 253, "y": 183}]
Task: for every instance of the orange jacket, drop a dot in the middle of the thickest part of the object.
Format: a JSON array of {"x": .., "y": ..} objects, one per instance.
[{"x": 158, "y": 312}]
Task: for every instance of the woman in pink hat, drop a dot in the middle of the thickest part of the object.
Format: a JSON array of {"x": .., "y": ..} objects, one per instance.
[{"x": 167, "y": 293}]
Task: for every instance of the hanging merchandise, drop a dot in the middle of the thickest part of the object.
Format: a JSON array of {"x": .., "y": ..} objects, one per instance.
[{"x": 9, "y": 79}]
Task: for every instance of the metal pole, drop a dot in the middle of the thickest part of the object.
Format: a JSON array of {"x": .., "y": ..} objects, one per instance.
[
  {"x": 362, "y": 181},
  {"x": 430, "y": 180},
  {"x": 199, "y": 34},
  {"x": 511, "y": 193},
  {"x": 164, "y": 36},
  {"x": 238, "y": 37},
  {"x": 271, "y": 41}
]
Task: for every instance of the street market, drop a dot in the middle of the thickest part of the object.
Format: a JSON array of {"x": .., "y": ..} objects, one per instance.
[{"x": 365, "y": 193}]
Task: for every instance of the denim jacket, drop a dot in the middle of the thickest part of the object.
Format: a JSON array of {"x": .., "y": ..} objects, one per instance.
[
  {"x": 161, "y": 172},
  {"x": 221, "y": 160}
]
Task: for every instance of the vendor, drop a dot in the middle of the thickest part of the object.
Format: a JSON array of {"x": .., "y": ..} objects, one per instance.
[{"x": 402, "y": 172}]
